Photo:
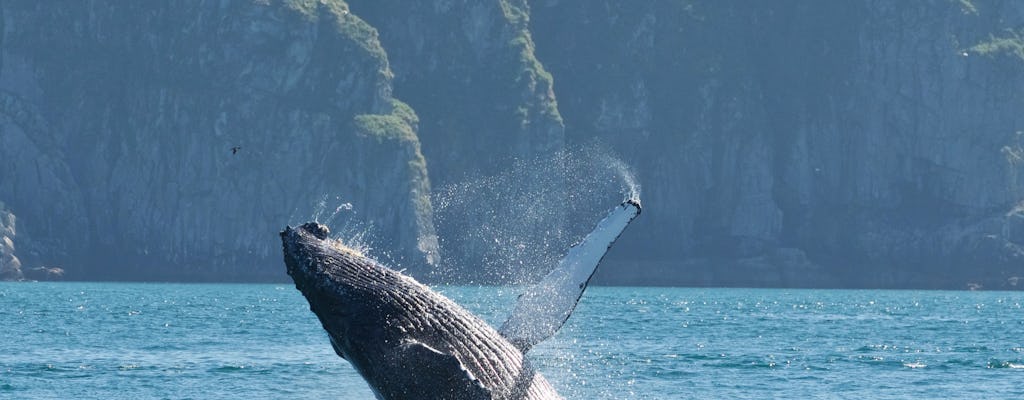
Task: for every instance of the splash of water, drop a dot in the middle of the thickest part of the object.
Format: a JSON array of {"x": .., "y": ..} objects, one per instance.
[
  {"x": 513, "y": 227},
  {"x": 322, "y": 208},
  {"x": 631, "y": 187},
  {"x": 355, "y": 234}
]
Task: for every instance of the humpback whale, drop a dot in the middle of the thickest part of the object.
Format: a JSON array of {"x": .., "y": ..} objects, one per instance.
[{"x": 410, "y": 342}]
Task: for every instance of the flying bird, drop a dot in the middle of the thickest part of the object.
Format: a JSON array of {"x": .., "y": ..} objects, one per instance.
[{"x": 234, "y": 150}]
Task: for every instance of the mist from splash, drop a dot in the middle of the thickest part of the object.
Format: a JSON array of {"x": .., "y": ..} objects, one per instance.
[
  {"x": 340, "y": 217},
  {"x": 513, "y": 227},
  {"x": 630, "y": 185}
]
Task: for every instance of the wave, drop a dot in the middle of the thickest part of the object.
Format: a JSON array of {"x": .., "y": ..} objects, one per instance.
[{"x": 997, "y": 364}]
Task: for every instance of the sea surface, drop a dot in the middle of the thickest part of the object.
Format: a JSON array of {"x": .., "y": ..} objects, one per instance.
[{"x": 206, "y": 341}]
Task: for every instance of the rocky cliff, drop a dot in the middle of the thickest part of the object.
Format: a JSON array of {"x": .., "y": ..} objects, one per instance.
[
  {"x": 470, "y": 71},
  {"x": 786, "y": 143},
  {"x": 118, "y": 123},
  {"x": 10, "y": 266},
  {"x": 863, "y": 144}
]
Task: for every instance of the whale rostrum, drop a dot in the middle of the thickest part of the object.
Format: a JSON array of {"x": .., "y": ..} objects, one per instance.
[{"x": 410, "y": 342}]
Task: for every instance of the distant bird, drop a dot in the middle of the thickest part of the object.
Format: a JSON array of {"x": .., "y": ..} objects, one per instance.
[{"x": 234, "y": 150}]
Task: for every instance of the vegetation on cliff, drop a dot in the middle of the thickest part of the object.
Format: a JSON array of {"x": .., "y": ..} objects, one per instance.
[{"x": 1010, "y": 43}]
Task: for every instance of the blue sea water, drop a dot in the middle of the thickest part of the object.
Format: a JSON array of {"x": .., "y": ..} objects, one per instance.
[{"x": 202, "y": 341}]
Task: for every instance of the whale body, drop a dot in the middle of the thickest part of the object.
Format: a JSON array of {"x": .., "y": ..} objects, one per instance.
[{"x": 410, "y": 342}]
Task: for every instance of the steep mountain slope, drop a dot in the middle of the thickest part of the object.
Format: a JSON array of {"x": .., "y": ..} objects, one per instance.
[
  {"x": 802, "y": 143},
  {"x": 117, "y": 123}
]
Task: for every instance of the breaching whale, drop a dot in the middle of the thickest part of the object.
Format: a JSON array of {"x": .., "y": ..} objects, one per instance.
[{"x": 410, "y": 342}]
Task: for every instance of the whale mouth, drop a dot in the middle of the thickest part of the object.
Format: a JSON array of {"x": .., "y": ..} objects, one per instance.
[{"x": 294, "y": 240}]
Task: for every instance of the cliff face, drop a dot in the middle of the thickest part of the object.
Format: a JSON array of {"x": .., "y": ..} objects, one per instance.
[
  {"x": 785, "y": 143},
  {"x": 803, "y": 143},
  {"x": 117, "y": 124},
  {"x": 469, "y": 70},
  {"x": 10, "y": 266}
]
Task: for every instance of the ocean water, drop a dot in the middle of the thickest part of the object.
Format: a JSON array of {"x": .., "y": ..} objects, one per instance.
[{"x": 203, "y": 341}]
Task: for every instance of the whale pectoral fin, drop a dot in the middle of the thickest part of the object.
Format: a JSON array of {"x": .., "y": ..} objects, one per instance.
[
  {"x": 544, "y": 307},
  {"x": 435, "y": 371}
]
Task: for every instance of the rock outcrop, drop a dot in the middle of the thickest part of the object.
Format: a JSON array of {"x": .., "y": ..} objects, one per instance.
[
  {"x": 117, "y": 123},
  {"x": 10, "y": 266},
  {"x": 44, "y": 274}
]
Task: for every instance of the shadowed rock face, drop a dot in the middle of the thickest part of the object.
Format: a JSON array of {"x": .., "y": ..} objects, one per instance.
[
  {"x": 406, "y": 340},
  {"x": 803, "y": 143}
]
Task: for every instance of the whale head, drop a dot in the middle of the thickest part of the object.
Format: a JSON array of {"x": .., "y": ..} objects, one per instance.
[
  {"x": 300, "y": 244},
  {"x": 308, "y": 246},
  {"x": 336, "y": 279}
]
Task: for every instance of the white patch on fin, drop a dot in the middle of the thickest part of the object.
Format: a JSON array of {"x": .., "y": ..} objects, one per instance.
[{"x": 545, "y": 307}]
